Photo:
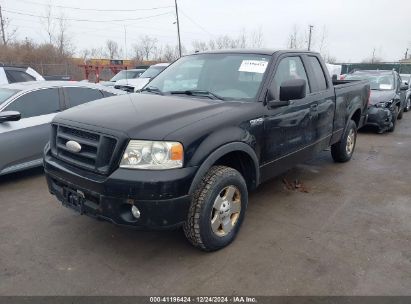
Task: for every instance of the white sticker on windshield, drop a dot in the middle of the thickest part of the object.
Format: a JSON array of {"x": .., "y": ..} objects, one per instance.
[
  {"x": 385, "y": 86},
  {"x": 253, "y": 66}
]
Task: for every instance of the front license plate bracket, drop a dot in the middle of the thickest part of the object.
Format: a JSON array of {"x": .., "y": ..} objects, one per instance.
[{"x": 74, "y": 199}]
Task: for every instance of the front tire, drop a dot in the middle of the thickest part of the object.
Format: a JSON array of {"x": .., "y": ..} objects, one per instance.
[
  {"x": 342, "y": 151},
  {"x": 407, "y": 105},
  {"x": 217, "y": 209},
  {"x": 394, "y": 119},
  {"x": 400, "y": 114}
]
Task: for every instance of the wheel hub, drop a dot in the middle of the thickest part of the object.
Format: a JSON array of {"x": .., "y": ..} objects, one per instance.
[
  {"x": 226, "y": 211},
  {"x": 350, "y": 142}
]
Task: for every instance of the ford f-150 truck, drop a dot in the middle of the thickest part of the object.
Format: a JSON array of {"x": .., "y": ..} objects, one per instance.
[{"x": 187, "y": 150}]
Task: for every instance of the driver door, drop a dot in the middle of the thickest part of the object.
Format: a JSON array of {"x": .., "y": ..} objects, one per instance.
[{"x": 289, "y": 129}]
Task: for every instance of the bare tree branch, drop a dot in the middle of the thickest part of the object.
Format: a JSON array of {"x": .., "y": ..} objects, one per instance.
[{"x": 113, "y": 49}]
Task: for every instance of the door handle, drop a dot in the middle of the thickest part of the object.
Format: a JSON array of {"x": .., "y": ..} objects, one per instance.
[{"x": 314, "y": 107}]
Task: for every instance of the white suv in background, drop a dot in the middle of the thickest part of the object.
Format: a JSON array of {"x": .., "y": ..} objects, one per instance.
[
  {"x": 12, "y": 74},
  {"x": 135, "y": 85}
]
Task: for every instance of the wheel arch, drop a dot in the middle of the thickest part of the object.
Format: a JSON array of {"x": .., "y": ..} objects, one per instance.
[
  {"x": 356, "y": 116},
  {"x": 237, "y": 155}
]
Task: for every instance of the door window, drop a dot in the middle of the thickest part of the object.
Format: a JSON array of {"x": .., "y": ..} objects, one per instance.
[
  {"x": 289, "y": 68},
  {"x": 36, "y": 103},
  {"x": 78, "y": 96},
  {"x": 319, "y": 76}
]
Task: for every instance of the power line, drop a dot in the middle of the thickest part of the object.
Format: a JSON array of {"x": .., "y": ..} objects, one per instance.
[
  {"x": 86, "y": 20},
  {"x": 98, "y": 10},
  {"x": 195, "y": 23}
]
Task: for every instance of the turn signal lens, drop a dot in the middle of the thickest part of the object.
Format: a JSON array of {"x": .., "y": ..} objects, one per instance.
[{"x": 176, "y": 152}]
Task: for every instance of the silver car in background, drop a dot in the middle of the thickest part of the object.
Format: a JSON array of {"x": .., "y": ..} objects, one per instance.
[
  {"x": 406, "y": 80},
  {"x": 26, "y": 110}
]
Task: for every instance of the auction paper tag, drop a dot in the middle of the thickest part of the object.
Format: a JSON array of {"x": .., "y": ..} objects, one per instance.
[
  {"x": 253, "y": 66},
  {"x": 385, "y": 86}
]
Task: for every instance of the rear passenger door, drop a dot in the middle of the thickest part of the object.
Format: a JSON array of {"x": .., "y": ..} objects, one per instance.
[
  {"x": 76, "y": 96},
  {"x": 323, "y": 96},
  {"x": 25, "y": 139}
]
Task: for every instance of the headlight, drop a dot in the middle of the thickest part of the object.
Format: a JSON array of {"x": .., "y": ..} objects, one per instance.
[
  {"x": 383, "y": 104},
  {"x": 153, "y": 155}
]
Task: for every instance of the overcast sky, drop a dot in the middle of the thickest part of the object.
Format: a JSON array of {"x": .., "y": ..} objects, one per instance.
[{"x": 353, "y": 27}]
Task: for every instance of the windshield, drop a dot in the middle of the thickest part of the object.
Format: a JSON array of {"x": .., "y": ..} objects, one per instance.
[
  {"x": 378, "y": 82},
  {"x": 6, "y": 94},
  {"x": 127, "y": 75},
  {"x": 152, "y": 71},
  {"x": 231, "y": 76}
]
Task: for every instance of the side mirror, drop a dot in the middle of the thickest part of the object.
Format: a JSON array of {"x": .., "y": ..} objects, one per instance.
[
  {"x": 404, "y": 87},
  {"x": 9, "y": 116},
  {"x": 293, "y": 89}
]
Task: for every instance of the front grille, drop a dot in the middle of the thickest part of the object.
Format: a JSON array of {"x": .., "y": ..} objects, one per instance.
[{"x": 96, "y": 152}]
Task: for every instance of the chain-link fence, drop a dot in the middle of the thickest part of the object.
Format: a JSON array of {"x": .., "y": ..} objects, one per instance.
[{"x": 402, "y": 68}]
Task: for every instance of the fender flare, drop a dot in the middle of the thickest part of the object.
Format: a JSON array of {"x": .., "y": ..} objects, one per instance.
[{"x": 218, "y": 153}]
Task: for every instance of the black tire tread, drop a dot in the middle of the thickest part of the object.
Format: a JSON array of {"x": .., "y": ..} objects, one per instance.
[
  {"x": 394, "y": 121},
  {"x": 192, "y": 227},
  {"x": 338, "y": 151}
]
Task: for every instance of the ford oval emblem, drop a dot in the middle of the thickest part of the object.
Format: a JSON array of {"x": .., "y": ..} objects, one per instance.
[{"x": 73, "y": 146}]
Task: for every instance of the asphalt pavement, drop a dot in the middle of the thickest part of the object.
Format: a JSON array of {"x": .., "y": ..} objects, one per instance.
[{"x": 344, "y": 230}]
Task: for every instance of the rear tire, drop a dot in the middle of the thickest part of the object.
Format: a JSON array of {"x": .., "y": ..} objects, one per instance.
[
  {"x": 342, "y": 151},
  {"x": 217, "y": 209}
]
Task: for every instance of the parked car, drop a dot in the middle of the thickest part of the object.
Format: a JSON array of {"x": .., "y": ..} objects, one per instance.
[
  {"x": 26, "y": 110},
  {"x": 334, "y": 69},
  {"x": 189, "y": 155},
  {"x": 406, "y": 81},
  {"x": 12, "y": 74},
  {"x": 134, "y": 85},
  {"x": 387, "y": 100},
  {"x": 123, "y": 76}
]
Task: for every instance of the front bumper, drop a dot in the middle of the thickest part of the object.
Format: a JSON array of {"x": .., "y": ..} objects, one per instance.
[
  {"x": 161, "y": 196},
  {"x": 381, "y": 118}
]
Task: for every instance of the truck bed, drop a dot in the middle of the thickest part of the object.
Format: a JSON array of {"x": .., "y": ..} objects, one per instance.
[{"x": 350, "y": 94}]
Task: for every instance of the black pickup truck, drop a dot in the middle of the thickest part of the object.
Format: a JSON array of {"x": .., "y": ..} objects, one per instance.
[{"x": 211, "y": 127}]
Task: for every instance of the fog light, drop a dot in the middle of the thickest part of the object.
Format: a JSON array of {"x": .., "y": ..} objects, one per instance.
[{"x": 135, "y": 212}]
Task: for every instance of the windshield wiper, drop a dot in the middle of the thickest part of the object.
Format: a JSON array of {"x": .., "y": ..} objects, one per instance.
[
  {"x": 199, "y": 93},
  {"x": 152, "y": 89}
]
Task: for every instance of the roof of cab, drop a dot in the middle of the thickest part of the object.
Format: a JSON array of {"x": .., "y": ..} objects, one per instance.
[{"x": 254, "y": 51}]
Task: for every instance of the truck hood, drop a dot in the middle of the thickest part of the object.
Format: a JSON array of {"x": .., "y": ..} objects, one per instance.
[
  {"x": 381, "y": 96},
  {"x": 143, "y": 116}
]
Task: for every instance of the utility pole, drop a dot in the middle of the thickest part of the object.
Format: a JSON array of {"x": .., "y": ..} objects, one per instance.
[
  {"x": 178, "y": 30},
  {"x": 406, "y": 52},
  {"x": 125, "y": 42},
  {"x": 310, "y": 36},
  {"x": 2, "y": 25},
  {"x": 373, "y": 55}
]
